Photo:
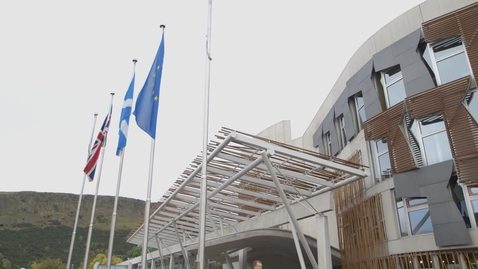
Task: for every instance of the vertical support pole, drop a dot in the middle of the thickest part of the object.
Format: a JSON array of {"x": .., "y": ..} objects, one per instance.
[
  {"x": 171, "y": 261},
  {"x": 297, "y": 245},
  {"x": 228, "y": 261},
  {"x": 185, "y": 254},
  {"x": 323, "y": 242},
  {"x": 310, "y": 255},
  {"x": 436, "y": 261},
  {"x": 463, "y": 264},
  {"x": 243, "y": 258},
  {"x": 160, "y": 249}
]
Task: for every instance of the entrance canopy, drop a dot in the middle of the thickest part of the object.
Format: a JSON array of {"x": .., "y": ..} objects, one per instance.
[{"x": 241, "y": 186}]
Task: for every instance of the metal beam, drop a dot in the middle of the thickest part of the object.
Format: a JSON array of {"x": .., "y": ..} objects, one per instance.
[
  {"x": 305, "y": 245},
  {"x": 298, "y": 155},
  {"x": 230, "y": 180},
  {"x": 257, "y": 181},
  {"x": 283, "y": 172}
]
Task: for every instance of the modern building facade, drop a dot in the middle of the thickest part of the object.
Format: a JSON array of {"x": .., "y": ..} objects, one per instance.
[
  {"x": 406, "y": 101},
  {"x": 405, "y": 109}
]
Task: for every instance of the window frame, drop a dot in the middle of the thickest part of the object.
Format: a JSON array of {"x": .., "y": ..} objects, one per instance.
[
  {"x": 469, "y": 198},
  {"x": 376, "y": 154},
  {"x": 420, "y": 136},
  {"x": 434, "y": 61},
  {"x": 386, "y": 85},
  {"x": 407, "y": 209},
  {"x": 340, "y": 130},
  {"x": 327, "y": 143},
  {"x": 472, "y": 93},
  {"x": 357, "y": 108}
]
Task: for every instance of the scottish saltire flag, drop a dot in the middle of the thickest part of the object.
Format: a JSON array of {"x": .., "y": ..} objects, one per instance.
[
  {"x": 124, "y": 119},
  {"x": 100, "y": 141},
  {"x": 146, "y": 108}
]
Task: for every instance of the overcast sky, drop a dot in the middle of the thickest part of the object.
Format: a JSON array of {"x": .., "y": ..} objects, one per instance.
[{"x": 273, "y": 60}]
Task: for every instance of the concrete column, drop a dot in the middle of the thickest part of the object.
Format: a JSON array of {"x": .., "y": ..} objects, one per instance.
[
  {"x": 436, "y": 262},
  {"x": 243, "y": 258},
  {"x": 324, "y": 258},
  {"x": 463, "y": 262}
]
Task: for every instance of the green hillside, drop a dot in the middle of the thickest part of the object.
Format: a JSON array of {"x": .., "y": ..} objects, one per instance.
[{"x": 37, "y": 226}]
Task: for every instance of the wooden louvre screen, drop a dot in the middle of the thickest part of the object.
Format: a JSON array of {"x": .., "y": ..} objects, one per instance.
[
  {"x": 461, "y": 128},
  {"x": 387, "y": 124},
  {"x": 360, "y": 227},
  {"x": 462, "y": 22}
]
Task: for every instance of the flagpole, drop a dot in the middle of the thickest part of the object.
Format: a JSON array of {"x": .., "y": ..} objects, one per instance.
[
  {"x": 146, "y": 114},
  {"x": 80, "y": 199},
  {"x": 147, "y": 209},
  {"x": 148, "y": 198},
  {"x": 203, "y": 195},
  {"x": 115, "y": 206},
  {"x": 92, "y": 218}
]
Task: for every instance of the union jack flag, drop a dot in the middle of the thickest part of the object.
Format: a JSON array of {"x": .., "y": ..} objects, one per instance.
[{"x": 100, "y": 141}]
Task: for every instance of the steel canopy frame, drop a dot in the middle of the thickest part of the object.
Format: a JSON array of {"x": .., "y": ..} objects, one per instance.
[{"x": 240, "y": 186}]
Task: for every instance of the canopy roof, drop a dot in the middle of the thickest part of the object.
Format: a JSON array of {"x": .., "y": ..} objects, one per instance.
[{"x": 240, "y": 186}]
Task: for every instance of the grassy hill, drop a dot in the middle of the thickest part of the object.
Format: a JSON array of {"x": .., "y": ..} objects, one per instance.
[{"x": 36, "y": 226}]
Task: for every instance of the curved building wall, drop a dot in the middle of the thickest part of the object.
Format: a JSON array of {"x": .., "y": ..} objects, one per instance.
[
  {"x": 398, "y": 28},
  {"x": 425, "y": 205}
]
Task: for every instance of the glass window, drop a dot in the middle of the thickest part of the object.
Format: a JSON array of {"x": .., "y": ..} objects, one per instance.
[
  {"x": 437, "y": 148},
  {"x": 383, "y": 169},
  {"x": 416, "y": 201},
  {"x": 340, "y": 128},
  {"x": 360, "y": 108},
  {"x": 420, "y": 221},
  {"x": 327, "y": 144},
  {"x": 402, "y": 220},
  {"x": 474, "y": 204},
  {"x": 471, "y": 103},
  {"x": 357, "y": 108},
  {"x": 413, "y": 216},
  {"x": 393, "y": 83},
  {"x": 450, "y": 61},
  {"x": 459, "y": 199},
  {"x": 433, "y": 140},
  {"x": 471, "y": 202}
]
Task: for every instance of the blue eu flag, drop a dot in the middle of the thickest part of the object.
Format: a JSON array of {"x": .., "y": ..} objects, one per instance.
[{"x": 147, "y": 103}]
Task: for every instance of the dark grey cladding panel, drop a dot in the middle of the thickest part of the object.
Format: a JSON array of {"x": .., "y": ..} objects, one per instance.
[
  {"x": 341, "y": 105},
  {"x": 366, "y": 85},
  {"x": 406, "y": 184},
  {"x": 414, "y": 71},
  {"x": 432, "y": 182},
  {"x": 384, "y": 59},
  {"x": 370, "y": 98},
  {"x": 333, "y": 138},
  {"x": 449, "y": 207},
  {"x": 373, "y": 109},
  {"x": 417, "y": 78},
  {"x": 436, "y": 193},
  {"x": 451, "y": 234},
  {"x": 413, "y": 183},
  {"x": 406, "y": 43},
  {"x": 432, "y": 174},
  {"x": 419, "y": 85},
  {"x": 402, "y": 52},
  {"x": 365, "y": 72},
  {"x": 349, "y": 126},
  {"x": 408, "y": 58},
  {"x": 317, "y": 139}
]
